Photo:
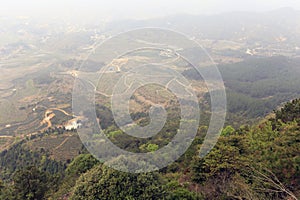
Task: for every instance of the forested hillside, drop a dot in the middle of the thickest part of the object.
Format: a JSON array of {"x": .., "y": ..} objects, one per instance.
[
  {"x": 257, "y": 162},
  {"x": 256, "y": 86}
]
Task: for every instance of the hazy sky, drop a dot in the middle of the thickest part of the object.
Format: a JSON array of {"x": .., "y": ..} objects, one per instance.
[{"x": 120, "y": 9}]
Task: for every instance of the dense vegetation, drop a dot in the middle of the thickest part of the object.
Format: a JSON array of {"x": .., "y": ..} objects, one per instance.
[
  {"x": 257, "y": 85},
  {"x": 18, "y": 157},
  {"x": 259, "y": 162}
]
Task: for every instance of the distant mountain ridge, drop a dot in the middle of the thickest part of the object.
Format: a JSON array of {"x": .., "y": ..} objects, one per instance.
[{"x": 237, "y": 26}]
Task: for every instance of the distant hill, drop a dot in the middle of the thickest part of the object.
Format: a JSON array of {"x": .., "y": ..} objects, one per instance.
[{"x": 239, "y": 26}]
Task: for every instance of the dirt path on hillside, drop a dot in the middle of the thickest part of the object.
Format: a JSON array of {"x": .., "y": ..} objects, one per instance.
[
  {"x": 62, "y": 143},
  {"x": 49, "y": 115}
]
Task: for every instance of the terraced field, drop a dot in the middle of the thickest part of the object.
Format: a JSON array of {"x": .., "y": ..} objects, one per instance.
[{"x": 60, "y": 147}]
